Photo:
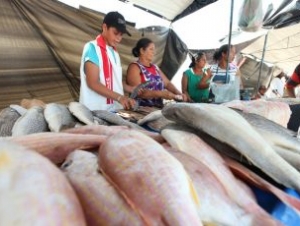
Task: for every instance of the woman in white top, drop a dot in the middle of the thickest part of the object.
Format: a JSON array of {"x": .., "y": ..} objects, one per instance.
[{"x": 222, "y": 75}]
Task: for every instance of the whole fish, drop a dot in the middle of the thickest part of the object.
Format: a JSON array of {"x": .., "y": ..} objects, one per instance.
[
  {"x": 273, "y": 132},
  {"x": 8, "y": 117},
  {"x": 138, "y": 88},
  {"x": 179, "y": 136},
  {"x": 158, "y": 124},
  {"x": 100, "y": 121},
  {"x": 115, "y": 119},
  {"x": 150, "y": 117},
  {"x": 101, "y": 202},
  {"x": 111, "y": 130},
  {"x": 81, "y": 112},
  {"x": 33, "y": 121},
  {"x": 231, "y": 128},
  {"x": 216, "y": 207},
  {"x": 151, "y": 179},
  {"x": 59, "y": 117},
  {"x": 57, "y": 146},
  {"x": 136, "y": 91},
  {"x": 18, "y": 108},
  {"x": 34, "y": 191}
]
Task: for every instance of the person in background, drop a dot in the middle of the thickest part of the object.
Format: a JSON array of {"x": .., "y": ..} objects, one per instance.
[
  {"x": 261, "y": 93},
  {"x": 218, "y": 70},
  {"x": 100, "y": 70},
  {"x": 226, "y": 79},
  {"x": 276, "y": 88},
  {"x": 158, "y": 86},
  {"x": 195, "y": 80},
  {"x": 293, "y": 82}
]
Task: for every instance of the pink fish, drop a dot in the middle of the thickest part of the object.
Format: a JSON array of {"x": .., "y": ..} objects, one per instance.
[
  {"x": 101, "y": 202},
  {"x": 111, "y": 130},
  {"x": 198, "y": 149},
  {"x": 34, "y": 191},
  {"x": 216, "y": 207},
  {"x": 152, "y": 180},
  {"x": 57, "y": 146}
]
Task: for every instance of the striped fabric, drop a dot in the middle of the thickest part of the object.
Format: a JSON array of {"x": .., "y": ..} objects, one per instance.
[{"x": 219, "y": 74}]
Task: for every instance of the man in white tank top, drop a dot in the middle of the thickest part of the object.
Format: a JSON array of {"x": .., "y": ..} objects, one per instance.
[{"x": 101, "y": 70}]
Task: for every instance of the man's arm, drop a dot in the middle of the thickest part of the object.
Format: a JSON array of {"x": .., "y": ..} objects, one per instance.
[{"x": 92, "y": 79}]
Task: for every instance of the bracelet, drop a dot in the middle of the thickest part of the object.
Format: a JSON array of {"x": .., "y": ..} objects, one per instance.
[{"x": 119, "y": 98}]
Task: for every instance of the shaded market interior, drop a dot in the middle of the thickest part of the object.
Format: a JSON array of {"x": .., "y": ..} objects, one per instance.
[{"x": 41, "y": 44}]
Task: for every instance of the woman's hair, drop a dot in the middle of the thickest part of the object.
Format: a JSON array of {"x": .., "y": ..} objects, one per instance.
[
  {"x": 195, "y": 58},
  {"x": 218, "y": 53},
  {"x": 142, "y": 43}
]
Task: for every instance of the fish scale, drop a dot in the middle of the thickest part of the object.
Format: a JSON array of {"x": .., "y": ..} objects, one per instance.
[{"x": 33, "y": 121}]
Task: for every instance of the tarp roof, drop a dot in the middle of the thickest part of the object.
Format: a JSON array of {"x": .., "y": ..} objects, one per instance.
[
  {"x": 169, "y": 9},
  {"x": 282, "y": 47},
  {"x": 41, "y": 40}
]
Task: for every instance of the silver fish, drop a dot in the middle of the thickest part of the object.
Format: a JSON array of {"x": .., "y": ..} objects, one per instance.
[
  {"x": 158, "y": 124},
  {"x": 137, "y": 89},
  {"x": 115, "y": 119},
  {"x": 178, "y": 137},
  {"x": 33, "y": 121},
  {"x": 100, "y": 121},
  {"x": 8, "y": 117},
  {"x": 59, "y": 117},
  {"x": 81, "y": 112},
  {"x": 18, "y": 108},
  {"x": 273, "y": 132},
  {"x": 291, "y": 157},
  {"x": 150, "y": 117},
  {"x": 229, "y": 127}
]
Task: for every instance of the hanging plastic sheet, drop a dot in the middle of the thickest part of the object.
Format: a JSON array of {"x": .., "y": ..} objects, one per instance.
[{"x": 251, "y": 15}]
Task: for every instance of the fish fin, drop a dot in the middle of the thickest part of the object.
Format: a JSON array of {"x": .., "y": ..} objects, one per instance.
[
  {"x": 193, "y": 191},
  {"x": 5, "y": 159}
]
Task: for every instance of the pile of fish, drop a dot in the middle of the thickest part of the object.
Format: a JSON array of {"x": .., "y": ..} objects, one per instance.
[{"x": 80, "y": 167}]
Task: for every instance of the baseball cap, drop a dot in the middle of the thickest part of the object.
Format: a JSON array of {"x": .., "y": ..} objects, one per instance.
[{"x": 115, "y": 19}]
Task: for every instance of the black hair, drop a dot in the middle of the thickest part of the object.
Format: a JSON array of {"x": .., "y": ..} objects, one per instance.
[
  {"x": 143, "y": 43},
  {"x": 195, "y": 58},
  {"x": 223, "y": 49}
]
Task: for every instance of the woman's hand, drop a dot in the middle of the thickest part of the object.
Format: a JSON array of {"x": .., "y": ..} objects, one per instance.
[
  {"x": 165, "y": 94},
  {"x": 186, "y": 98}
]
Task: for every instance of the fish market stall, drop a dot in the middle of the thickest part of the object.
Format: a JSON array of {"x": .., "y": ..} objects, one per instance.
[{"x": 210, "y": 162}]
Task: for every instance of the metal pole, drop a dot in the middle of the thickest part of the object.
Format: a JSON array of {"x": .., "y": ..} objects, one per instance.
[
  {"x": 261, "y": 62},
  {"x": 229, "y": 39}
]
